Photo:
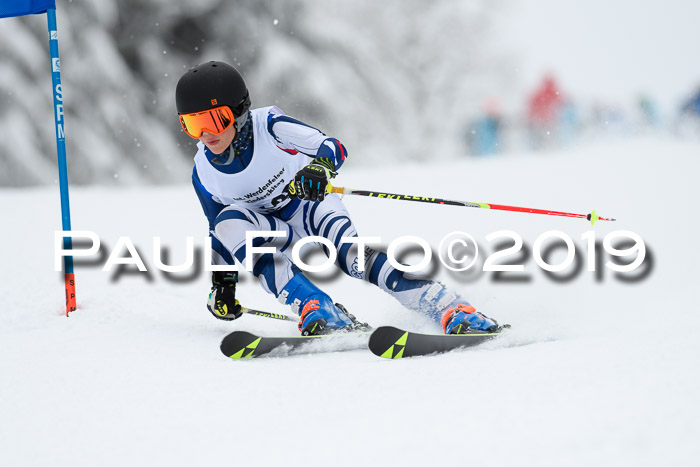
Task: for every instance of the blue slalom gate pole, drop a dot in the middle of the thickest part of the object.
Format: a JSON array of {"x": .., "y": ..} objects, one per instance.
[
  {"x": 14, "y": 8},
  {"x": 58, "y": 111}
]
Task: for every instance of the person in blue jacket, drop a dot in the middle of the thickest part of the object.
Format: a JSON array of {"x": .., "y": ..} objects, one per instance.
[{"x": 691, "y": 107}]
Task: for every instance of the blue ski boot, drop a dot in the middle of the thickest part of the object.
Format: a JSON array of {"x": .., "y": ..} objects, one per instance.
[
  {"x": 463, "y": 319},
  {"x": 442, "y": 304},
  {"x": 318, "y": 314}
]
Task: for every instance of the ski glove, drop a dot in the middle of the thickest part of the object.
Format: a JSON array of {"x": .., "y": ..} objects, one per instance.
[
  {"x": 222, "y": 299},
  {"x": 311, "y": 182}
]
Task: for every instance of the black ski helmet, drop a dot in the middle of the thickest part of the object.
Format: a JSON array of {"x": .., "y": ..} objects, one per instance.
[{"x": 213, "y": 84}]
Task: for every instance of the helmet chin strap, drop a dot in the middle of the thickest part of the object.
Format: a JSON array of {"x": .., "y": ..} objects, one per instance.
[
  {"x": 244, "y": 108},
  {"x": 244, "y": 134},
  {"x": 240, "y": 122}
]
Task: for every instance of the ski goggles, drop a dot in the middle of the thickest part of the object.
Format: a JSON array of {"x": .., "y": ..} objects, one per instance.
[{"x": 215, "y": 121}]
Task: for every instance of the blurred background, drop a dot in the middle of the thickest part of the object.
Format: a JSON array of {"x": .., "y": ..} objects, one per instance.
[{"x": 394, "y": 80}]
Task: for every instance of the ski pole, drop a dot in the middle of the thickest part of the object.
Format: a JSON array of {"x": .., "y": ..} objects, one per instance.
[
  {"x": 267, "y": 314},
  {"x": 593, "y": 217}
]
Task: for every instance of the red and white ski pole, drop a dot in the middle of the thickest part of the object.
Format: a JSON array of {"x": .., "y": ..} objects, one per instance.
[{"x": 592, "y": 217}]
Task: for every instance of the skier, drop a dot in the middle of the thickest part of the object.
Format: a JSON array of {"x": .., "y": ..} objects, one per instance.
[
  {"x": 545, "y": 110},
  {"x": 262, "y": 170}
]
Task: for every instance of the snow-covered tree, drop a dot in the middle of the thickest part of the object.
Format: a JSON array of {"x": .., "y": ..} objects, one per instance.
[{"x": 392, "y": 79}]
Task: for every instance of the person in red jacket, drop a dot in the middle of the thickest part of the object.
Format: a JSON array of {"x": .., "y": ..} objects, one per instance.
[{"x": 544, "y": 110}]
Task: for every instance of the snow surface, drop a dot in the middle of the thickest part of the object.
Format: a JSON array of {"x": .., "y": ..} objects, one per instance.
[{"x": 592, "y": 373}]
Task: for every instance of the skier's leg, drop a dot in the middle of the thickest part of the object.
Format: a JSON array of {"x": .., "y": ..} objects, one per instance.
[
  {"x": 331, "y": 220},
  {"x": 317, "y": 311},
  {"x": 275, "y": 271}
]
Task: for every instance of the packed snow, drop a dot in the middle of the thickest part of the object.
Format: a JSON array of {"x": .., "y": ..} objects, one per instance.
[{"x": 595, "y": 371}]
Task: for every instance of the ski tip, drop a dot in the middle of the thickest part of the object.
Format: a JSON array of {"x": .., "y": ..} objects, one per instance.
[
  {"x": 239, "y": 344},
  {"x": 388, "y": 342}
]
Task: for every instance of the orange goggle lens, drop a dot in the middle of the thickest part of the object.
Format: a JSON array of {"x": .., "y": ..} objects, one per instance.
[{"x": 215, "y": 121}]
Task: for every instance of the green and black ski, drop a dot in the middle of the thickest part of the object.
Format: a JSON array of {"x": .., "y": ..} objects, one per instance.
[
  {"x": 242, "y": 344},
  {"x": 391, "y": 342},
  {"x": 385, "y": 341}
]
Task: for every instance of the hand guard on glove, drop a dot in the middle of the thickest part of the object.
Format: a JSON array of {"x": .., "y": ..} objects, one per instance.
[
  {"x": 222, "y": 299},
  {"x": 311, "y": 182}
]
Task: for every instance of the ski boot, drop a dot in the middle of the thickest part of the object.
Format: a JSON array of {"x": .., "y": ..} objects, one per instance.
[
  {"x": 317, "y": 313},
  {"x": 463, "y": 319},
  {"x": 444, "y": 305}
]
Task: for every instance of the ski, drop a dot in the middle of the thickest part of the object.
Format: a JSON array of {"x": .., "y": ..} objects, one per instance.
[
  {"x": 391, "y": 342},
  {"x": 242, "y": 344}
]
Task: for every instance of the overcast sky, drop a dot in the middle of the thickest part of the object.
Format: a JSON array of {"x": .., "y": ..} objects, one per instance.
[{"x": 609, "y": 50}]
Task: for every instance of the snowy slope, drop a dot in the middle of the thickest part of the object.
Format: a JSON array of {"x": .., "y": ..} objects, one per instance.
[{"x": 593, "y": 373}]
